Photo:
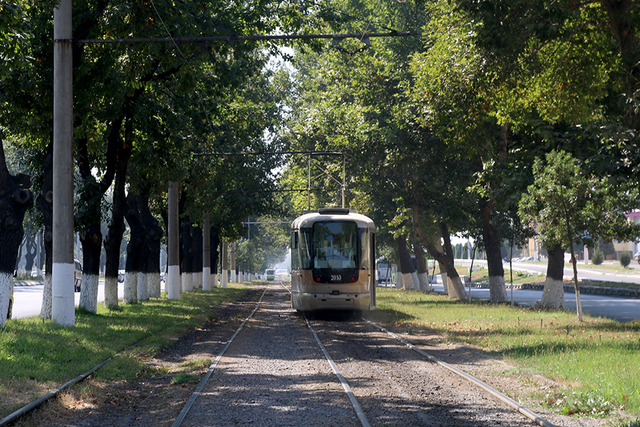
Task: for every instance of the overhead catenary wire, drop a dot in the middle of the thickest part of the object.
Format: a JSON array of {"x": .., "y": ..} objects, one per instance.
[{"x": 238, "y": 38}]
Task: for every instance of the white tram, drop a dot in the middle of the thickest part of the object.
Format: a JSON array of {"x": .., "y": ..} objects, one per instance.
[{"x": 333, "y": 261}]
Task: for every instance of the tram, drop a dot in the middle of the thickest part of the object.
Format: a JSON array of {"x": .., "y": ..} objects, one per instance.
[{"x": 333, "y": 261}]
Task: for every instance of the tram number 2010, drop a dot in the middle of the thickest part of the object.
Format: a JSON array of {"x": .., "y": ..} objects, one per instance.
[{"x": 336, "y": 277}]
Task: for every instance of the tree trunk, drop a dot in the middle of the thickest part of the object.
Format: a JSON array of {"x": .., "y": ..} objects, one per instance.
[
  {"x": 15, "y": 198},
  {"x": 44, "y": 204},
  {"x": 186, "y": 253},
  {"x": 196, "y": 260},
  {"x": 443, "y": 255},
  {"x": 491, "y": 238},
  {"x": 31, "y": 250},
  {"x": 215, "y": 255},
  {"x": 553, "y": 293},
  {"x": 154, "y": 242},
  {"x": 421, "y": 263},
  {"x": 91, "y": 239},
  {"x": 135, "y": 251},
  {"x": 406, "y": 264},
  {"x": 116, "y": 230}
]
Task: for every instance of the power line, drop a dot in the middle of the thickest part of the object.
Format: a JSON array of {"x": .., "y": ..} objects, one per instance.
[
  {"x": 269, "y": 153},
  {"x": 236, "y": 38}
]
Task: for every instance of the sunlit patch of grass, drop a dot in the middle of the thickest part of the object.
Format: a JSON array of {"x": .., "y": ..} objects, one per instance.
[
  {"x": 184, "y": 378},
  {"x": 599, "y": 358},
  {"x": 37, "y": 355}
]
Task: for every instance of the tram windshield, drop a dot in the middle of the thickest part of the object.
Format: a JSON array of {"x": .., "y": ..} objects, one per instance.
[{"x": 335, "y": 244}]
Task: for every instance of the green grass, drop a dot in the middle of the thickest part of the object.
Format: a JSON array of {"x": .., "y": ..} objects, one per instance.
[
  {"x": 36, "y": 356},
  {"x": 597, "y": 360}
]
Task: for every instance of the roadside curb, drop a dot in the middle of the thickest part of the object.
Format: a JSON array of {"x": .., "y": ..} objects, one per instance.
[{"x": 27, "y": 283}]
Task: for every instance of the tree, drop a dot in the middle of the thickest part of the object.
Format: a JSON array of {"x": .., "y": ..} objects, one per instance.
[{"x": 568, "y": 206}]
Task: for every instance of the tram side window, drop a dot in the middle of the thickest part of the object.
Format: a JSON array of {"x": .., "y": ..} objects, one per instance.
[
  {"x": 335, "y": 245},
  {"x": 295, "y": 255},
  {"x": 365, "y": 247},
  {"x": 305, "y": 248}
]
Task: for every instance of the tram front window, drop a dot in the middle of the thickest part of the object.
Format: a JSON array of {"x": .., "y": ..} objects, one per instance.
[{"x": 335, "y": 245}]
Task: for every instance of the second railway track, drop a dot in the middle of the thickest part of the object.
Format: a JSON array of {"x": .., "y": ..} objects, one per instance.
[{"x": 275, "y": 373}]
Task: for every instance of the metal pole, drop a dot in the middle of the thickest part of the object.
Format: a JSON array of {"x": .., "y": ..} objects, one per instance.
[
  {"x": 62, "y": 303},
  {"x": 309, "y": 185},
  {"x": 343, "y": 180},
  {"x": 173, "y": 283}
]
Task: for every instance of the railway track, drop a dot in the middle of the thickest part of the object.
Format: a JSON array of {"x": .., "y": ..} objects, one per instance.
[{"x": 282, "y": 368}]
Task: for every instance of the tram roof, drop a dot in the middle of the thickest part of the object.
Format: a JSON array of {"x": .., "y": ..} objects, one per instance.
[{"x": 329, "y": 214}]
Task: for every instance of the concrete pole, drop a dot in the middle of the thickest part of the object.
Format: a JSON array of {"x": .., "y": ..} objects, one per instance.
[
  {"x": 173, "y": 284},
  {"x": 206, "y": 254},
  {"x": 224, "y": 267},
  {"x": 234, "y": 279},
  {"x": 62, "y": 302}
]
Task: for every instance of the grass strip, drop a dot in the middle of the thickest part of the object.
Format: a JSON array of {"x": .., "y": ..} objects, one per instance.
[
  {"x": 596, "y": 361},
  {"x": 37, "y": 356}
]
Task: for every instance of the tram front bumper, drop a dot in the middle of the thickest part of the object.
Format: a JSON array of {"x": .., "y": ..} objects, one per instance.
[{"x": 311, "y": 301}]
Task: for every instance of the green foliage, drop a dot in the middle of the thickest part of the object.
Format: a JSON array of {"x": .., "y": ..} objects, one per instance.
[
  {"x": 625, "y": 259},
  {"x": 564, "y": 201},
  {"x": 598, "y": 256}
]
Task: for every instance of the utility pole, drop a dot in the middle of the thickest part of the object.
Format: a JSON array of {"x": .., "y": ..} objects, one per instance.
[
  {"x": 172, "y": 281},
  {"x": 62, "y": 303},
  {"x": 206, "y": 254}
]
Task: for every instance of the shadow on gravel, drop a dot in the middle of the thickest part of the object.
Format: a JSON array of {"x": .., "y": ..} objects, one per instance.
[{"x": 334, "y": 315}]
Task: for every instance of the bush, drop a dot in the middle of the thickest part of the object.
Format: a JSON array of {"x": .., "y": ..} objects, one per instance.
[
  {"x": 598, "y": 257},
  {"x": 625, "y": 259}
]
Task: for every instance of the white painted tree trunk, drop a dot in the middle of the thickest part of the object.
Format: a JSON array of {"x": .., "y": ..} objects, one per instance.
[
  {"x": 196, "y": 282},
  {"x": 89, "y": 293},
  {"x": 206, "y": 279},
  {"x": 399, "y": 281},
  {"x": 224, "y": 280},
  {"x": 214, "y": 280},
  {"x": 553, "y": 293},
  {"x": 233, "y": 276},
  {"x": 6, "y": 285},
  {"x": 445, "y": 283},
  {"x": 497, "y": 289},
  {"x": 111, "y": 292},
  {"x": 423, "y": 278},
  {"x": 456, "y": 290},
  {"x": 415, "y": 280},
  {"x": 154, "y": 284},
  {"x": 172, "y": 282},
  {"x": 407, "y": 281},
  {"x": 143, "y": 287},
  {"x": 130, "y": 288},
  {"x": 45, "y": 309},
  {"x": 187, "y": 282}
]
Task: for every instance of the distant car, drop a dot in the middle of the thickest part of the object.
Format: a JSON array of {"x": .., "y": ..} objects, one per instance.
[{"x": 77, "y": 276}]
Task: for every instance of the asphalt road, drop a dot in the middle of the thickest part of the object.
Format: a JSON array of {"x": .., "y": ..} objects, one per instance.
[
  {"x": 620, "y": 309},
  {"x": 27, "y": 300}
]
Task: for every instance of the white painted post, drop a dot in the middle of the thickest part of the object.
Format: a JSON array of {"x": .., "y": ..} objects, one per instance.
[
  {"x": 172, "y": 281},
  {"x": 206, "y": 254},
  {"x": 63, "y": 301}
]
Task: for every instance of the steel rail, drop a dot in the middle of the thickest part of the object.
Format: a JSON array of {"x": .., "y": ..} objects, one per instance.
[
  {"x": 83, "y": 376},
  {"x": 345, "y": 385},
  {"x": 212, "y": 367},
  {"x": 495, "y": 393}
]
